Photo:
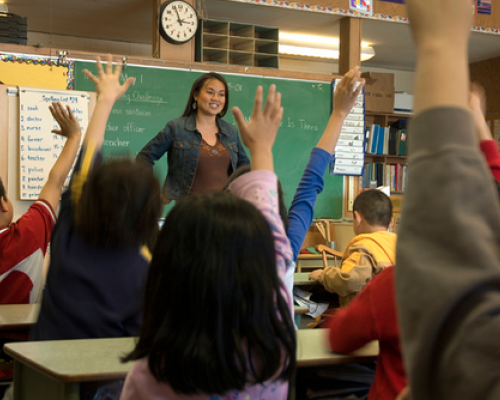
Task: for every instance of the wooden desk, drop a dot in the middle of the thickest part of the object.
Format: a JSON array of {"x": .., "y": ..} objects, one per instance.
[
  {"x": 312, "y": 350},
  {"x": 53, "y": 370},
  {"x": 302, "y": 279},
  {"x": 18, "y": 316},
  {"x": 298, "y": 311}
]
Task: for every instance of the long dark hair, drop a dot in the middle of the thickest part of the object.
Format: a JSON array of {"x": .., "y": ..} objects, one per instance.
[
  {"x": 214, "y": 318},
  {"x": 198, "y": 85},
  {"x": 120, "y": 205}
]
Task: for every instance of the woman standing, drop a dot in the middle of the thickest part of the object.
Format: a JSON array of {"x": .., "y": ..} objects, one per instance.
[{"x": 202, "y": 149}]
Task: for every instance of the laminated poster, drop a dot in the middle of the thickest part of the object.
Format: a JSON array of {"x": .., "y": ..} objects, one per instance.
[{"x": 362, "y": 6}]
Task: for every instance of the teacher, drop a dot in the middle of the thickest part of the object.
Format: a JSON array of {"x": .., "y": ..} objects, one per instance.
[{"x": 202, "y": 149}]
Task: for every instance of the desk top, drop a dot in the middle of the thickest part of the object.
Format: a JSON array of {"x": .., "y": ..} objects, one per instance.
[
  {"x": 18, "y": 316},
  {"x": 302, "y": 278},
  {"x": 98, "y": 359},
  {"x": 312, "y": 350}
]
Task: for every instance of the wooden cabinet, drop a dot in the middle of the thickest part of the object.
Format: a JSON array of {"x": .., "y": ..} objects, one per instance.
[{"x": 226, "y": 42}]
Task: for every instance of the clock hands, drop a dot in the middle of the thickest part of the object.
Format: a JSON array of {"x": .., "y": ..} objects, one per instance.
[{"x": 179, "y": 20}]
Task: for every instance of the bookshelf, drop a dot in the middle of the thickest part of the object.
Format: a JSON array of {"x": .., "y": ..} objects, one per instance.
[
  {"x": 385, "y": 169},
  {"x": 372, "y": 117}
]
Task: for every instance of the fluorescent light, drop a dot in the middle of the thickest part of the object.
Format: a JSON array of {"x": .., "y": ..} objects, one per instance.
[{"x": 317, "y": 46}]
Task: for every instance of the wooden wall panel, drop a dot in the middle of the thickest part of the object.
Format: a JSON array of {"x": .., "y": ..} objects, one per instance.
[
  {"x": 384, "y": 7},
  {"x": 4, "y": 135}
]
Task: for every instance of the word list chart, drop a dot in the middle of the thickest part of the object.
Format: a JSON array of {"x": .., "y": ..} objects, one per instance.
[
  {"x": 39, "y": 147},
  {"x": 349, "y": 156}
]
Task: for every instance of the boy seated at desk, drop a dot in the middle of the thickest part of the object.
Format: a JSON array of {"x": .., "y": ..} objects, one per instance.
[{"x": 369, "y": 252}]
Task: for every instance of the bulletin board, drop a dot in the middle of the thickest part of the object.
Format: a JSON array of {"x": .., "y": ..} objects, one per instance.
[{"x": 47, "y": 73}]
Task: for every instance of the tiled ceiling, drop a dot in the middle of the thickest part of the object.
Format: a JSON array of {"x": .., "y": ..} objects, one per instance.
[{"x": 132, "y": 21}]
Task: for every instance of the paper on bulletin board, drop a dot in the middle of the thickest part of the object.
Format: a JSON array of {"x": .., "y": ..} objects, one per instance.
[
  {"x": 39, "y": 148},
  {"x": 36, "y": 72}
]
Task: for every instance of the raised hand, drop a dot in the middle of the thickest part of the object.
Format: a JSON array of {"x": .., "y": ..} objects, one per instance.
[
  {"x": 438, "y": 23},
  {"x": 66, "y": 120},
  {"x": 259, "y": 134},
  {"x": 346, "y": 92},
  {"x": 477, "y": 104},
  {"x": 263, "y": 126},
  {"x": 107, "y": 82}
]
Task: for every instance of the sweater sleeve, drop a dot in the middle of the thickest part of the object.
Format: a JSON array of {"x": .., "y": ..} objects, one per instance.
[
  {"x": 358, "y": 267},
  {"x": 301, "y": 211},
  {"x": 448, "y": 274},
  {"x": 490, "y": 151},
  {"x": 260, "y": 189}
]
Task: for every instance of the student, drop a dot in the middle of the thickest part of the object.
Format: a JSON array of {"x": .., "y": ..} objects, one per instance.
[
  {"x": 300, "y": 215},
  {"x": 448, "y": 274},
  {"x": 23, "y": 243},
  {"x": 371, "y": 315},
  {"x": 369, "y": 252},
  {"x": 216, "y": 260},
  {"x": 97, "y": 269}
]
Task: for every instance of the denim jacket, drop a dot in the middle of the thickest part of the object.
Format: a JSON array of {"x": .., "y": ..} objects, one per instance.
[{"x": 182, "y": 142}]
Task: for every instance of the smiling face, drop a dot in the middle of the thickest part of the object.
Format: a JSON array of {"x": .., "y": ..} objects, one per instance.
[{"x": 211, "y": 98}]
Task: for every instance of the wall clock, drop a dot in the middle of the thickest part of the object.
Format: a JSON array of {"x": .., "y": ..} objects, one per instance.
[{"x": 178, "y": 21}]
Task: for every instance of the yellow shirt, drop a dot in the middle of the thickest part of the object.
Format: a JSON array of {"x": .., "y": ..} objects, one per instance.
[{"x": 365, "y": 256}]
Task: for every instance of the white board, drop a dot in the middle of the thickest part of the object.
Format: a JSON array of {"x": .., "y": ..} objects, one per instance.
[{"x": 38, "y": 146}]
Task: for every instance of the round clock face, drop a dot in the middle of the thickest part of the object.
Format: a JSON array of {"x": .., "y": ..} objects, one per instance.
[{"x": 178, "y": 21}]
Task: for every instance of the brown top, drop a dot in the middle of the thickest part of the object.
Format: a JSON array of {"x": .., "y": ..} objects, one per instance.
[{"x": 212, "y": 170}]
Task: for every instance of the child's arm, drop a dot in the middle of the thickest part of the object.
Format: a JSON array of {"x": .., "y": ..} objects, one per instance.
[
  {"x": 70, "y": 128},
  {"x": 448, "y": 268},
  {"x": 259, "y": 186},
  {"x": 259, "y": 134},
  {"x": 301, "y": 211},
  {"x": 109, "y": 90},
  {"x": 359, "y": 322},
  {"x": 489, "y": 147},
  {"x": 358, "y": 267}
]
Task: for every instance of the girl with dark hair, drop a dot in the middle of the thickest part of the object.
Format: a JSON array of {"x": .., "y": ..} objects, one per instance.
[
  {"x": 98, "y": 265},
  {"x": 202, "y": 149},
  {"x": 218, "y": 261}
]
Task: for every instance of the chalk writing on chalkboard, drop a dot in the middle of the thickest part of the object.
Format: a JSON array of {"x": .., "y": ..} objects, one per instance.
[{"x": 38, "y": 146}]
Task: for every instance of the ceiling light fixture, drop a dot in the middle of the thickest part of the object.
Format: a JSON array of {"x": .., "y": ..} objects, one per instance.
[{"x": 317, "y": 46}]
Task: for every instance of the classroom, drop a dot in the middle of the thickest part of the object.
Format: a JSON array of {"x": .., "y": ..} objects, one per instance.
[{"x": 46, "y": 46}]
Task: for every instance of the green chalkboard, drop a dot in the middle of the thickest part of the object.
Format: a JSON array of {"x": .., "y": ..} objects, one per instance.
[{"x": 160, "y": 94}]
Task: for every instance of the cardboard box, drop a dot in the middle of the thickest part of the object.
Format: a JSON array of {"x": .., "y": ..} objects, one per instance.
[{"x": 379, "y": 92}]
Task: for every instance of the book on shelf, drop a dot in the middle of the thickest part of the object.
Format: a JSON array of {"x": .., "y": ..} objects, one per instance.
[
  {"x": 393, "y": 132},
  {"x": 402, "y": 151}
]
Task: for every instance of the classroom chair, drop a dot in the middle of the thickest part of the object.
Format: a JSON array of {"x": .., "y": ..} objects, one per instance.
[
  {"x": 397, "y": 206},
  {"x": 322, "y": 232},
  {"x": 325, "y": 251}
]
